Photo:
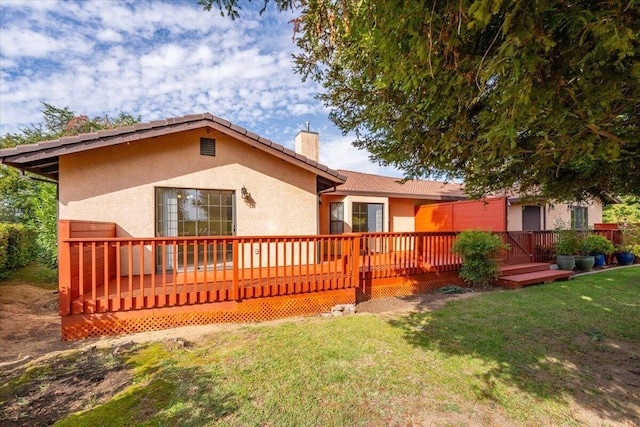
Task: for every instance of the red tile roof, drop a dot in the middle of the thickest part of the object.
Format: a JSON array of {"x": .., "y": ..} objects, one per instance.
[{"x": 377, "y": 185}]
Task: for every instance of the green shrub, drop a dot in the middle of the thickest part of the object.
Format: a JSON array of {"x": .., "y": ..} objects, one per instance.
[
  {"x": 592, "y": 244},
  {"x": 479, "y": 251},
  {"x": 630, "y": 240},
  {"x": 45, "y": 221},
  {"x": 4, "y": 243},
  {"x": 18, "y": 246},
  {"x": 568, "y": 239}
]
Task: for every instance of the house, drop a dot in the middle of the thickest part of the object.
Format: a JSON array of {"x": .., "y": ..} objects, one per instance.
[
  {"x": 374, "y": 203},
  {"x": 195, "y": 220},
  {"x": 530, "y": 214},
  {"x": 196, "y": 175}
]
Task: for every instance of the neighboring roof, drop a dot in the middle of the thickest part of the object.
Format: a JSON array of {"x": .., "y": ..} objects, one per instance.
[
  {"x": 376, "y": 185},
  {"x": 42, "y": 158}
]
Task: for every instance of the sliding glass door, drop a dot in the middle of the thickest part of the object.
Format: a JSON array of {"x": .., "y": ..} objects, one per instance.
[{"x": 199, "y": 213}]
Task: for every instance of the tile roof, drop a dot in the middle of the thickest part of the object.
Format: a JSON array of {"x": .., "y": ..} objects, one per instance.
[
  {"x": 368, "y": 184},
  {"x": 42, "y": 158}
]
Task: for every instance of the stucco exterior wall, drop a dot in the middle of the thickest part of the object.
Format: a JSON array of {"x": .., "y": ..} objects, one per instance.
[
  {"x": 117, "y": 184},
  {"x": 550, "y": 214},
  {"x": 402, "y": 215}
]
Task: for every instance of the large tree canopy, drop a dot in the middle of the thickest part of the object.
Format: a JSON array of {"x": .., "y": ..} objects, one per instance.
[{"x": 533, "y": 96}]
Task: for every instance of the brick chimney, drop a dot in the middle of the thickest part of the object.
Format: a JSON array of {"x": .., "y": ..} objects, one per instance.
[{"x": 307, "y": 143}]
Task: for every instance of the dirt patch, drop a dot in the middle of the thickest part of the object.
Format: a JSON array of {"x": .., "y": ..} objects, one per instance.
[
  {"x": 29, "y": 323},
  {"x": 42, "y": 395},
  {"x": 416, "y": 303}
]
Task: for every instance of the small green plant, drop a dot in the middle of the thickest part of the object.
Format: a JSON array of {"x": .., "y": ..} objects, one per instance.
[
  {"x": 479, "y": 251},
  {"x": 592, "y": 244},
  {"x": 568, "y": 239},
  {"x": 630, "y": 240}
]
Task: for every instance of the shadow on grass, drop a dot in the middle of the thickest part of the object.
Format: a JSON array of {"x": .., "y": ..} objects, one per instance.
[{"x": 576, "y": 340}]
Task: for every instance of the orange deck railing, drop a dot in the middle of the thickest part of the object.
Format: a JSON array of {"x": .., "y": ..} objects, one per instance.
[
  {"x": 114, "y": 274},
  {"x": 101, "y": 273}
]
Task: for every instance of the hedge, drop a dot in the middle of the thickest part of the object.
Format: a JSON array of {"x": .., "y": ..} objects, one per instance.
[{"x": 18, "y": 247}]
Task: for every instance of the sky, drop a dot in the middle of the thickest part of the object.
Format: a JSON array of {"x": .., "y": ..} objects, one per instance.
[{"x": 161, "y": 59}]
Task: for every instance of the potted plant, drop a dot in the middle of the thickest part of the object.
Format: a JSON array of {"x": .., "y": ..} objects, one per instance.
[
  {"x": 629, "y": 245},
  {"x": 598, "y": 247},
  {"x": 567, "y": 246}
]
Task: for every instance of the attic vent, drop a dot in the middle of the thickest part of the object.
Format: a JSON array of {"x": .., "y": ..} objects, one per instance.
[{"x": 207, "y": 147}]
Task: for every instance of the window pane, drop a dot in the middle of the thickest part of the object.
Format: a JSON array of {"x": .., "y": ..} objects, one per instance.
[
  {"x": 337, "y": 212},
  {"x": 190, "y": 212},
  {"x": 367, "y": 217}
]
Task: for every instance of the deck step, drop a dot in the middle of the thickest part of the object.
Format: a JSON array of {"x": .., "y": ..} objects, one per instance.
[
  {"x": 509, "y": 270},
  {"x": 532, "y": 278}
]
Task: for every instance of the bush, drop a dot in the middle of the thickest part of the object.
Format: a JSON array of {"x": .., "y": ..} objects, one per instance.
[
  {"x": 593, "y": 244},
  {"x": 18, "y": 247},
  {"x": 45, "y": 221},
  {"x": 568, "y": 239},
  {"x": 630, "y": 240},
  {"x": 479, "y": 251}
]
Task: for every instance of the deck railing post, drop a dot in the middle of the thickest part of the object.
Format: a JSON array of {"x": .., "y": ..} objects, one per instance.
[
  {"x": 355, "y": 261},
  {"x": 235, "y": 291},
  {"x": 64, "y": 267}
]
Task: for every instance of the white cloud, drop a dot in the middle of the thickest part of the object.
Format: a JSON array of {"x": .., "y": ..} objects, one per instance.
[
  {"x": 109, "y": 35},
  {"x": 17, "y": 42},
  {"x": 157, "y": 60}
]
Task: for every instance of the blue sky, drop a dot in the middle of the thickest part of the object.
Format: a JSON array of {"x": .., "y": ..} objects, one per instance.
[{"x": 162, "y": 59}]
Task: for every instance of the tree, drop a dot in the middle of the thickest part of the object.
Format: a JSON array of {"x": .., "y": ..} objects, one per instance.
[
  {"x": 538, "y": 97},
  {"x": 626, "y": 212},
  {"x": 29, "y": 200}
]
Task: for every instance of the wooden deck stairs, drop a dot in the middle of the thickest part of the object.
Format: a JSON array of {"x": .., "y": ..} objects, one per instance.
[{"x": 519, "y": 275}]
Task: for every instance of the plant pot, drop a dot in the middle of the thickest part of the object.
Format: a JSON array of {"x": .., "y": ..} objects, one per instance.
[
  {"x": 625, "y": 258},
  {"x": 585, "y": 262},
  {"x": 599, "y": 261},
  {"x": 566, "y": 262}
]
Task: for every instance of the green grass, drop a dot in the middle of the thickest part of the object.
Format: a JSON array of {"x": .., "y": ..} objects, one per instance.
[
  {"x": 33, "y": 274},
  {"x": 507, "y": 358}
]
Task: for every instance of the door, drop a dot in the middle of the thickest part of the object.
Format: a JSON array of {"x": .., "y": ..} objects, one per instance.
[
  {"x": 531, "y": 218},
  {"x": 198, "y": 213}
]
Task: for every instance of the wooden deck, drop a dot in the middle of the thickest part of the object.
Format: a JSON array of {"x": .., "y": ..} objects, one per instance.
[
  {"x": 111, "y": 285},
  {"x": 519, "y": 275},
  {"x": 162, "y": 290}
]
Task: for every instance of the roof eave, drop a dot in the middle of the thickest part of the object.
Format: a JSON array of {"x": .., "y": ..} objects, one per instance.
[{"x": 28, "y": 157}]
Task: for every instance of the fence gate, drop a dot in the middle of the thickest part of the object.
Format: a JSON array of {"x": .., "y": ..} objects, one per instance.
[{"x": 521, "y": 247}]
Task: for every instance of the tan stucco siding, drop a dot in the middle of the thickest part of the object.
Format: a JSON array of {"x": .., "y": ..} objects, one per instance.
[
  {"x": 402, "y": 214},
  {"x": 551, "y": 213},
  {"x": 117, "y": 184}
]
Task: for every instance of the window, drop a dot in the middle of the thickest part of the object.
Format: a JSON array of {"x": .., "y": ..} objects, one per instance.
[
  {"x": 579, "y": 218},
  {"x": 367, "y": 218},
  {"x": 192, "y": 212},
  {"x": 336, "y": 218}
]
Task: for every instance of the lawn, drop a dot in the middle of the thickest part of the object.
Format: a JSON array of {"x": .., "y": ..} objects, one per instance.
[
  {"x": 566, "y": 353},
  {"x": 33, "y": 274}
]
